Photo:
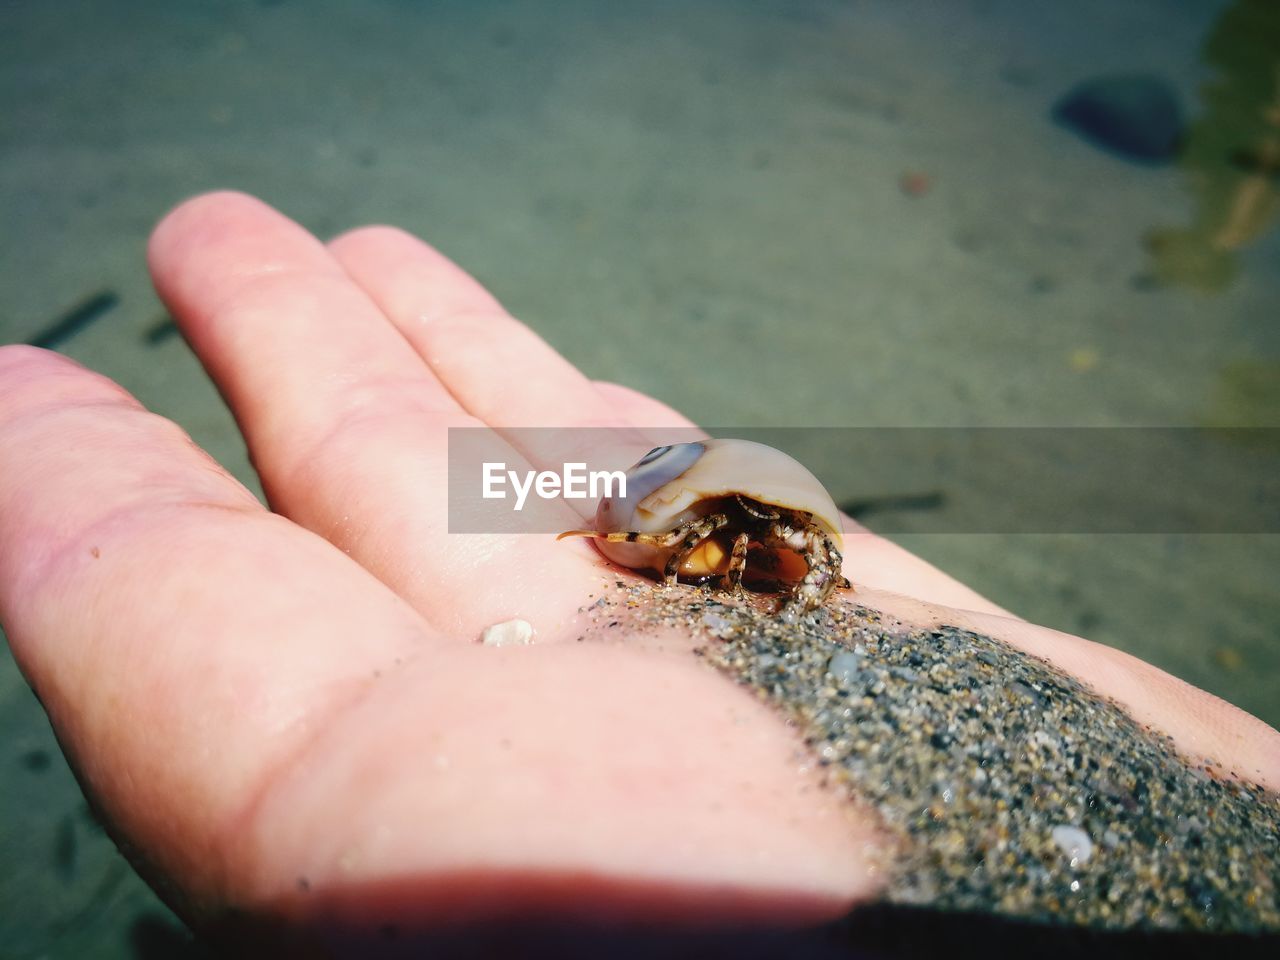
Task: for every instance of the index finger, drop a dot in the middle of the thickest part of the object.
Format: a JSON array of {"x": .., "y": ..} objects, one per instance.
[
  {"x": 346, "y": 425},
  {"x": 186, "y": 643}
]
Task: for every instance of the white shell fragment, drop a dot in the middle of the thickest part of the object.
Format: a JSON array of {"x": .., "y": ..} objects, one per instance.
[
  {"x": 844, "y": 666},
  {"x": 508, "y": 633},
  {"x": 1074, "y": 842}
]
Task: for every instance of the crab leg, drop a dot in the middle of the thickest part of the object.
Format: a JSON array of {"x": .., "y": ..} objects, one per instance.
[
  {"x": 738, "y": 561},
  {"x": 698, "y": 530},
  {"x": 689, "y": 534},
  {"x": 824, "y": 561}
]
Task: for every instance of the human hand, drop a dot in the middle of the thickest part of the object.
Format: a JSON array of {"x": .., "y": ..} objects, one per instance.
[{"x": 286, "y": 714}]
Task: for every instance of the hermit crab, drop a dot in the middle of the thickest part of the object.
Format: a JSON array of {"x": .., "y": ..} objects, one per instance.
[{"x": 730, "y": 512}]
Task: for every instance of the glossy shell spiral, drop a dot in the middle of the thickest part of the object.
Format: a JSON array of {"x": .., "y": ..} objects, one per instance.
[{"x": 672, "y": 484}]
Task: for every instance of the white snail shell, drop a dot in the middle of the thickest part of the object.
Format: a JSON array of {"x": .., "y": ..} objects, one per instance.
[{"x": 673, "y": 484}]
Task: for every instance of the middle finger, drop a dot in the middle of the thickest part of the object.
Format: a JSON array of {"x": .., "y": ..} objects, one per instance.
[
  {"x": 498, "y": 369},
  {"x": 345, "y": 425}
]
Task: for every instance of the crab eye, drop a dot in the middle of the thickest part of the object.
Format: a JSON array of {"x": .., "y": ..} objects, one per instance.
[{"x": 652, "y": 455}]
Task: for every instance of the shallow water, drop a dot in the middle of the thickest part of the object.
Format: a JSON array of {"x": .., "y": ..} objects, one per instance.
[{"x": 772, "y": 214}]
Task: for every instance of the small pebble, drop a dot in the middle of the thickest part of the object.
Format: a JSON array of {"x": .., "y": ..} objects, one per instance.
[
  {"x": 1134, "y": 116},
  {"x": 1074, "y": 842},
  {"x": 1228, "y": 658},
  {"x": 915, "y": 183},
  {"x": 1083, "y": 359},
  {"x": 1033, "y": 695},
  {"x": 844, "y": 666},
  {"x": 509, "y": 633},
  {"x": 716, "y": 624}
]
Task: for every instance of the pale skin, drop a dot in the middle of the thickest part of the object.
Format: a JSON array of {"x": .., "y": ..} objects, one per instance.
[{"x": 274, "y": 710}]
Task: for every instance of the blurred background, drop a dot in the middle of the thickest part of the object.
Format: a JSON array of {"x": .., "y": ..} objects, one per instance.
[{"x": 777, "y": 213}]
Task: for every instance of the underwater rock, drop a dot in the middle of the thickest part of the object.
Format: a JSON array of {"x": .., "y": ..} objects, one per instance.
[{"x": 1135, "y": 116}]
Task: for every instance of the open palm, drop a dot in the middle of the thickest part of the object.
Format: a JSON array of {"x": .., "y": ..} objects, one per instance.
[{"x": 288, "y": 713}]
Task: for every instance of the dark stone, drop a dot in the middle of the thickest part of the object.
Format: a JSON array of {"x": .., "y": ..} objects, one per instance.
[
  {"x": 1134, "y": 116},
  {"x": 37, "y": 760}
]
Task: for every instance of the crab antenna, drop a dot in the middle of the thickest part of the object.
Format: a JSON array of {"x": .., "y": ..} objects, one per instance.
[{"x": 579, "y": 533}]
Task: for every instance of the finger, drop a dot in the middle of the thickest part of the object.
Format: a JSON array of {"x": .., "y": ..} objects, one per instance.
[
  {"x": 873, "y": 561},
  {"x": 499, "y": 370},
  {"x": 186, "y": 643},
  {"x": 346, "y": 426},
  {"x": 653, "y": 417},
  {"x": 252, "y": 290}
]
